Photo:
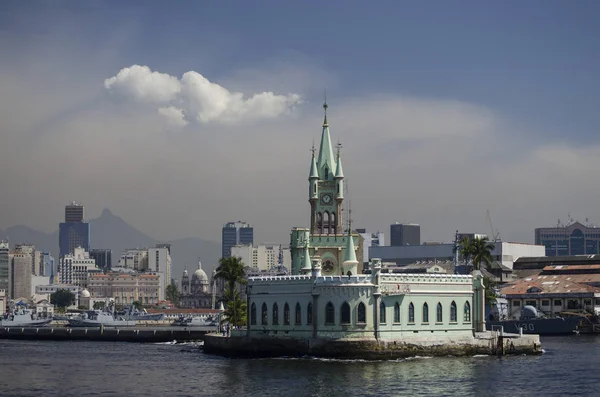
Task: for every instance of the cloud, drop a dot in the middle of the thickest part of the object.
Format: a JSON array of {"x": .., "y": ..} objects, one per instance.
[{"x": 196, "y": 96}]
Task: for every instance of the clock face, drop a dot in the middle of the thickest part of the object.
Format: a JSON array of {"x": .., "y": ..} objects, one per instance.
[{"x": 326, "y": 198}]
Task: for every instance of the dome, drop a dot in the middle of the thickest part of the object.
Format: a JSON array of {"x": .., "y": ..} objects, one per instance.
[
  {"x": 84, "y": 293},
  {"x": 199, "y": 274}
]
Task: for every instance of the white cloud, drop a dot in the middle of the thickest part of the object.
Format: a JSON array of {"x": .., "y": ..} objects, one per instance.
[
  {"x": 203, "y": 100},
  {"x": 142, "y": 84},
  {"x": 173, "y": 115}
]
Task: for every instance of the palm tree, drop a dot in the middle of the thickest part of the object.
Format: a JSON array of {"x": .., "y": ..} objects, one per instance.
[
  {"x": 232, "y": 271},
  {"x": 481, "y": 251},
  {"x": 235, "y": 312},
  {"x": 465, "y": 248}
]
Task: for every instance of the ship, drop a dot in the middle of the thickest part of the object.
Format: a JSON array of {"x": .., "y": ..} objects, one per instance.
[
  {"x": 183, "y": 321},
  {"x": 531, "y": 321},
  {"x": 97, "y": 318},
  {"x": 24, "y": 318},
  {"x": 132, "y": 313}
]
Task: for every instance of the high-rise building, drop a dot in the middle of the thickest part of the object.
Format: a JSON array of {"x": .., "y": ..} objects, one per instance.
[
  {"x": 235, "y": 233},
  {"x": 48, "y": 266},
  {"x": 75, "y": 268},
  {"x": 136, "y": 259},
  {"x": 103, "y": 258},
  {"x": 20, "y": 271},
  {"x": 73, "y": 232},
  {"x": 74, "y": 212},
  {"x": 263, "y": 256},
  {"x": 565, "y": 240},
  {"x": 405, "y": 234},
  {"x": 4, "y": 266},
  {"x": 159, "y": 262}
]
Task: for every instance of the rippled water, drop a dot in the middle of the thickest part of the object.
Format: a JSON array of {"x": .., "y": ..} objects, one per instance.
[{"x": 122, "y": 369}]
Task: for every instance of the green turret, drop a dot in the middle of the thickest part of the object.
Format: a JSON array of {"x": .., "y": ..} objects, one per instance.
[{"x": 326, "y": 162}]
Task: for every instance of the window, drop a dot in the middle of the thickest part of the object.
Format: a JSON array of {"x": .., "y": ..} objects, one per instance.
[
  {"x": 453, "y": 315},
  {"x": 361, "y": 313},
  {"x": 587, "y": 302},
  {"x": 546, "y": 302},
  {"x": 516, "y": 303},
  {"x": 286, "y": 314},
  {"x": 264, "y": 315},
  {"x": 329, "y": 313},
  {"x": 345, "y": 313},
  {"x": 467, "y": 312},
  {"x": 439, "y": 313},
  {"x": 298, "y": 314},
  {"x": 557, "y": 302},
  {"x": 397, "y": 312},
  {"x": 382, "y": 313},
  {"x": 425, "y": 313},
  {"x": 252, "y": 314},
  {"x": 309, "y": 314},
  {"x": 275, "y": 314},
  {"x": 411, "y": 313},
  {"x": 531, "y": 303}
]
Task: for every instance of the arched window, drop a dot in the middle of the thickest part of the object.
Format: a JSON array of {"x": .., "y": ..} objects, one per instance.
[
  {"x": 425, "y": 312},
  {"x": 264, "y": 314},
  {"x": 467, "y": 313},
  {"x": 439, "y": 313},
  {"x": 326, "y": 222},
  {"x": 332, "y": 223},
  {"x": 298, "y": 314},
  {"x": 253, "y": 314},
  {"x": 453, "y": 315},
  {"x": 329, "y": 314},
  {"x": 286, "y": 314},
  {"x": 345, "y": 313},
  {"x": 275, "y": 314},
  {"x": 319, "y": 223},
  {"x": 396, "y": 312},
  {"x": 411, "y": 313},
  {"x": 361, "y": 313},
  {"x": 309, "y": 314},
  {"x": 381, "y": 312},
  {"x": 326, "y": 176}
]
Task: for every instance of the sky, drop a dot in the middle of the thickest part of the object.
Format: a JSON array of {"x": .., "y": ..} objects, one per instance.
[{"x": 181, "y": 116}]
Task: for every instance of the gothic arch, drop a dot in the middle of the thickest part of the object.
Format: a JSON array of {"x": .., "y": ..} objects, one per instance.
[
  {"x": 332, "y": 223},
  {"x": 319, "y": 223},
  {"x": 326, "y": 220}
]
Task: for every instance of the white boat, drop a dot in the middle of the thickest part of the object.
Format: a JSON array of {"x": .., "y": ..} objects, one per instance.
[
  {"x": 131, "y": 313},
  {"x": 97, "y": 318},
  {"x": 24, "y": 318},
  {"x": 194, "y": 322}
]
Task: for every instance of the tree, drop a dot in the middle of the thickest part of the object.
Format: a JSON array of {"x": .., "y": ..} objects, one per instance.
[
  {"x": 138, "y": 305},
  {"x": 232, "y": 271},
  {"x": 465, "y": 248},
  {"x": 481, "y": 251},
  {"x": 172, "y": 294},
  {"x": 236, "y": 309},
  {"x": 62, "y": 298},
  {"x": 99, "y": 305}
]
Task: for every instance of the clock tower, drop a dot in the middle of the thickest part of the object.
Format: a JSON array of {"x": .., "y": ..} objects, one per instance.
[{"x": 326, "y": 236}]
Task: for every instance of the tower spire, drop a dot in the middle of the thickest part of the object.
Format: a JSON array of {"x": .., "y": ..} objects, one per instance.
[
  {"x": 326, "y": 161},
  {"x": 325, "y": 106}
]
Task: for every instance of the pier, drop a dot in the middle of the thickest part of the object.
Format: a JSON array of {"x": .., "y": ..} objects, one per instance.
[{"x": 107, "y": 334}]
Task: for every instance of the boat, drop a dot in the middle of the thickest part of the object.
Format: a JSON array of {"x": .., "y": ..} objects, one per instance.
[
  {"x": 97, "y": 318},
  {"x": 531, "y": 321},
  {"x": 183, "y": 321},
  {"x": 132, "y": 313},
  {"x": 24, "y": 318}
]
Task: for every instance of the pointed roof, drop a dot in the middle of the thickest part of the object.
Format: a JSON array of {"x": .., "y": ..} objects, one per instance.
[
  {"x": 306, "y": 262},
  {"x": 350, "y": 255},
  {"x": 339, "y": 172},
  {"x": 314, "y": 173},
  {"x": 326, "y": 158}
]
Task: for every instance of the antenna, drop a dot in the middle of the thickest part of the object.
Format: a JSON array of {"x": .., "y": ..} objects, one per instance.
[{"x": 495, "y": 233}]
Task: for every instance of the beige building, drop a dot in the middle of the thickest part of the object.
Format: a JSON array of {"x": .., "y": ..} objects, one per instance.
[
  {"x": 125, "y": 288},
  {"x": 75, "y": 268},
  {"x": 20, "y": 272},
  {"x": 136, "y": 259},
  {"x": 2, "y": 301},
  {"x": 262, "y": 256}
]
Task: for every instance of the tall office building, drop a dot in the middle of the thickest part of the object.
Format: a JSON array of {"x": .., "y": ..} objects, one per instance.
[
  {"x": 103, "y": 258},
  {"x": 4, "y": 266},
  {"x": 159, "y": 262},
  {"x": 405, "y": 234},
  {"x": 565, "y": 240},
  {"x": 73, "y": 232},
  {"x": 21, "y": 271},
  {"x": 235, "y": 233}
]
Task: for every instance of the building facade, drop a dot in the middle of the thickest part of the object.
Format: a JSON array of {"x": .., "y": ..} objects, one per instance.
[
  {"x": 134, "y": 258},
  {"x": 573, "y": 239},
  {"x": 103, "y": 258},
  {"x": 263, "y": 256},
  {"x": 196, "y": 293},
  {"x": 159, "y": 262},
  {"x": 326, "y": 237},
  {"x": 125, "y": 288},
  {"x": 405, "y": 234},
  {"x": 376, "y": 239},
  {"x": 73, "y": 232},
  {"x": 4, "y": 266},
  {"x": 235, "y": 233},
  {"x": 76, "y": 268}
]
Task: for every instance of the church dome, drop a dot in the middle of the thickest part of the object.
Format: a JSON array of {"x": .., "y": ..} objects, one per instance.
[
  {"x": 84, "y": 293},
  {"x": 199, "y": 274}
]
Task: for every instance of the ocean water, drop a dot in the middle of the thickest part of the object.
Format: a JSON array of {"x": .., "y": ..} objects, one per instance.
[{"x": 567, "y": 368}]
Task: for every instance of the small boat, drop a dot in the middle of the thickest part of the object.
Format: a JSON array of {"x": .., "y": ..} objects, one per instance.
[
  {"x": 24, "y": 318},
  {"x": 97, "y": 318},
  {"x": 194, "y": 322}
]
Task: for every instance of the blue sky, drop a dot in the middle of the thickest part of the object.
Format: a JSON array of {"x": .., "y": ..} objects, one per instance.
[{"x": 526, "y": 72}]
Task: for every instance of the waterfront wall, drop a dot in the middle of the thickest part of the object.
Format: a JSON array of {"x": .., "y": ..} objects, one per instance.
[{"x": 369, "y": 349}]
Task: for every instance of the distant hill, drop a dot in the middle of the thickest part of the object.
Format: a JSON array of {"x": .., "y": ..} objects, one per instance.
[{"x": 111, "y": 231}]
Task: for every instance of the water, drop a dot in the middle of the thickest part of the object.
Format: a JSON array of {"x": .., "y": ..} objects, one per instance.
[{"x": 567, "y": 368}]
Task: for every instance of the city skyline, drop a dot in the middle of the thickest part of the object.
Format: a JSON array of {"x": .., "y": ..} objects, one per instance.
[{"x": 443, "y": 115}]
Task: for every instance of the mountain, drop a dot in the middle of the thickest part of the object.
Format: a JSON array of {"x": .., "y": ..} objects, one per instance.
[{"x": 111, "y": 231}]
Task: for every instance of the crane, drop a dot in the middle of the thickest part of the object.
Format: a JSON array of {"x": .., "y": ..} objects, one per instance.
[{"x": 495, "y": 236}]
